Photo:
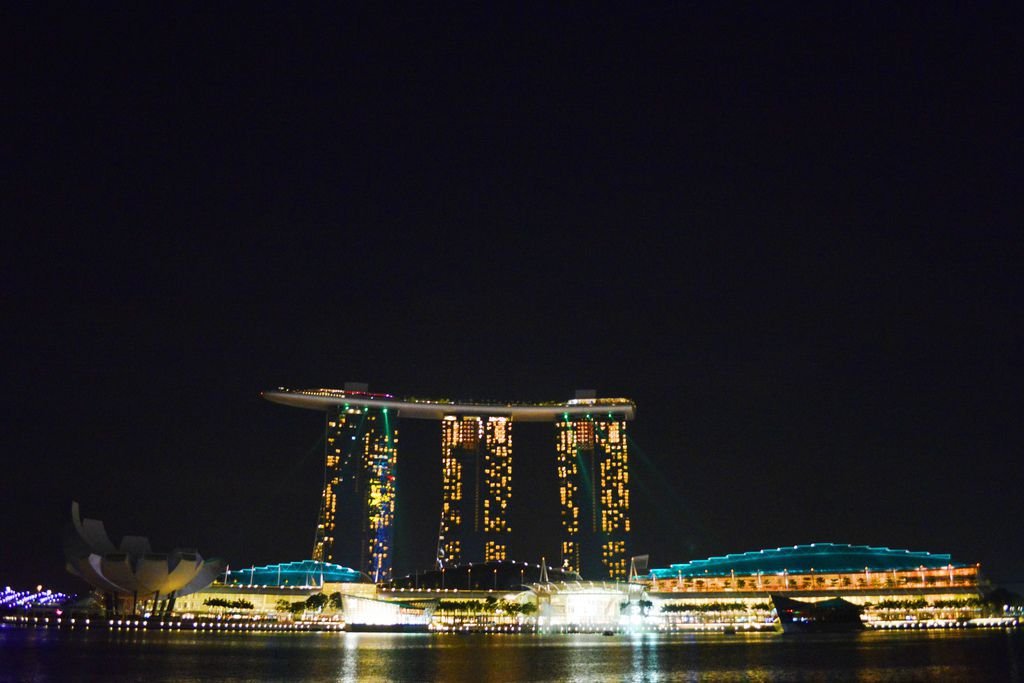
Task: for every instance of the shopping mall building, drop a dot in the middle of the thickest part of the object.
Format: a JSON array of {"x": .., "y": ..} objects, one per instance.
[{"x": 895, "y": 587}]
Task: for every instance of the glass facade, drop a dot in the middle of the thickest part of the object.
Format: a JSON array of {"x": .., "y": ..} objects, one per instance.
[
  {"x": 476, "y": 489},
  {"x": 592, "y": 464},
  {"x": 816, "y": 567},
  {"x": 795, "y": 580},
  {"x": 357, "y": 507}
]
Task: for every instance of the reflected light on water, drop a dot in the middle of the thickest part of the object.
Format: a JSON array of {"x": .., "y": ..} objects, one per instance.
[{"x": 161, "y": 657}]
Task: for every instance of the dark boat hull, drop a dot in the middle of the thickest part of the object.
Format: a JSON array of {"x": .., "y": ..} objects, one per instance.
[
  {"x": 828, "y": 616},
  {"x": 386, "y": 628}
]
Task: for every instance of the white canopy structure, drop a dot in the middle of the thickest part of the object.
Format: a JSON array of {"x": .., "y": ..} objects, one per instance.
[{"x": 132, "y": 570}]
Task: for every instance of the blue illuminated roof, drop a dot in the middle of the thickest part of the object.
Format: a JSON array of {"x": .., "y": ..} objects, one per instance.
[
  {"x": 796, "y": 559},
  {"x": 304, "y": 573}
]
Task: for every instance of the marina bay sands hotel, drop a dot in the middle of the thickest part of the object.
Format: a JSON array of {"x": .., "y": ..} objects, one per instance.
[{"x": 357, "y": 509}]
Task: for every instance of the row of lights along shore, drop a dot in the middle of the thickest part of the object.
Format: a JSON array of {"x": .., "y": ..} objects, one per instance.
[{"x": 223, "y": 626}]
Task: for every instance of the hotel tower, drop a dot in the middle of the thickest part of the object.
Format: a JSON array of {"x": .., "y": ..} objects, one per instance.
[
  {"x": 476, "y": 488},
  {"x": 357, "y": 506}
]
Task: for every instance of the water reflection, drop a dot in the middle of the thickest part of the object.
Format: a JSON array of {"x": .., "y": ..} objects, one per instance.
[{"x": 160, "y": 657}]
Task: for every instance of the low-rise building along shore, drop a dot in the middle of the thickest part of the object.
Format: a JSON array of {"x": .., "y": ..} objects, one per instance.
[
  {"x": 900, "y": 585},
  {"x": 862, "y": 572},
  {"x": 894, "y": 588}
]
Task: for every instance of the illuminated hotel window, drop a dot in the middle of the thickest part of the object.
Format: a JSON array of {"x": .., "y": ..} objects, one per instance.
[
  {"x": 476, "y": 487},
  {"x": 361, "y": 451},
  {"x": 592, "y": 468}
]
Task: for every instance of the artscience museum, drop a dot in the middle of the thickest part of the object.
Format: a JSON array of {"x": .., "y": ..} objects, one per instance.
[{"x": 131, "y": 573}]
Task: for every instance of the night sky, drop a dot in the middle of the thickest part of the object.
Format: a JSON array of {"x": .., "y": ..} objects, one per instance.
[{"x": 790, "y": 232}]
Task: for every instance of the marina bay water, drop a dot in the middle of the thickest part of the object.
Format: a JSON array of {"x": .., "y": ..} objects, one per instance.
[{"x": 51, "y": 655}]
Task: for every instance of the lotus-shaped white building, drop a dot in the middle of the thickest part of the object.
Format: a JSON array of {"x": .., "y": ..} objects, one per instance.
[{"x": 131, "y": 572}]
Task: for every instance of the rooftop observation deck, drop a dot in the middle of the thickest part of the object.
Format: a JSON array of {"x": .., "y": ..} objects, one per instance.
[{"x": 438, "y": 408}]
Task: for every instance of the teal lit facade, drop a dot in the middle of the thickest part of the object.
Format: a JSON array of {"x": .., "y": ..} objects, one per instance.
[
  {"x": 304, "y": 573},
  {"x": 800, "y": 559},
  {"x": 357, "y": 506}
]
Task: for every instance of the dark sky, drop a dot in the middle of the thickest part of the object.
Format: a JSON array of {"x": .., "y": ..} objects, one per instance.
[{"x": 790, "y": 232}]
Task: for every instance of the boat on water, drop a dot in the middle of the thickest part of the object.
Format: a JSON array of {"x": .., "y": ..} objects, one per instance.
[
  {"x": 387, "y": 628},
  {"x": 834, "y": 615}
]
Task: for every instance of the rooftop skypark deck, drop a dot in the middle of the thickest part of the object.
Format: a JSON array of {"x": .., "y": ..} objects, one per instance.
[{"x": 438, "y": 408}]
